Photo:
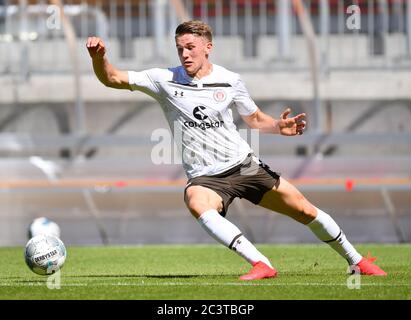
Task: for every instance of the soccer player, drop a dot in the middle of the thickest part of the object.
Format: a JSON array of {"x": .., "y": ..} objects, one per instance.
[{"x": 196, "y": 99}]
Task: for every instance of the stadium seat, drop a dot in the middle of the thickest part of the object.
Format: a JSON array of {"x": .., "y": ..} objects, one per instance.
[
  {"x": 396, "y": 45},
  {"x": 228, "y": 50},
  {"x": 49, "y": 52},
  {"x": 347, "y": 50},
  {"x": 268, "y": 47}
]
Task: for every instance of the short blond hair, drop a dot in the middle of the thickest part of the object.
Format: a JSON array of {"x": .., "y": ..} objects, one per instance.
[{"x": 196, "y": 27}]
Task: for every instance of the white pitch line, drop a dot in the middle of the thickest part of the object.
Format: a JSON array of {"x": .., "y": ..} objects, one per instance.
[
  {"x": 41, "y": 285},
  {"x": 168, "y": 284},
  {"x": 246, "y": 284}
]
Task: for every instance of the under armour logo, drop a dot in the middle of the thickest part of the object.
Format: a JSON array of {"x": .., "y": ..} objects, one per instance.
[
  {"x": 199, "y": 114},
  {"x": 178, "y": 93}
]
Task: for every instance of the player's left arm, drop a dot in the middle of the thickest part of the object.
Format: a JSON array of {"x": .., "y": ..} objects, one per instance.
[{"x": 286, "y": 126}]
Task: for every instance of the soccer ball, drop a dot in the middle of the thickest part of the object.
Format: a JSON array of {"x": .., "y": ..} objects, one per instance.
[
  {"x": 43, "y": 225},
  {"x": 45, "y": 254}
]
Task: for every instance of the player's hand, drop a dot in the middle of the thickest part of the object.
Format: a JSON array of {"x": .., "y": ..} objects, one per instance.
[
  {"x": 291, "y": 126},
  {"x": 96, "y": 47}
]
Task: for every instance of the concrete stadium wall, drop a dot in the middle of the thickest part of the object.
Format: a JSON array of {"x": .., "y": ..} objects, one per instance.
[
  {"x": 336, "y": 51},
  {"x": 129, "y": 218},
  {"x": 141, "y": 119}
]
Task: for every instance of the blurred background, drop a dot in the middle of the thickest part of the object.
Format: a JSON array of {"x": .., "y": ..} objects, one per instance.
[{"x": 80, "y": 153}]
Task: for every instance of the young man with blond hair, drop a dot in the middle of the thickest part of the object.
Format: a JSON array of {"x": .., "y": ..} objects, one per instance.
[{"x": 197, "y": 98}]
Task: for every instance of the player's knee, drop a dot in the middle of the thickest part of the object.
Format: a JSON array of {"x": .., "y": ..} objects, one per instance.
[
  {"x": 308, "y": 211},
  {"x": 196, "y": 205},
  {"x": 305, "y": 209},
  {"x": 198, "y": 200},
  {"x": 193, "y": 206}
]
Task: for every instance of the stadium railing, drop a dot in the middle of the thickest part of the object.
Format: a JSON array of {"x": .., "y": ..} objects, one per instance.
[{"x": 253, "y": 28}]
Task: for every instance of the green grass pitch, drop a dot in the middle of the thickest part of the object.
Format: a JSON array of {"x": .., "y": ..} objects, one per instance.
[{"x": 205, "y": 272}]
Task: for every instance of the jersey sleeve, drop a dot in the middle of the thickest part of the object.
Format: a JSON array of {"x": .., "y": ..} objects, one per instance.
[
  {"x": 144, "y": 81},
  {"x": 245, "y": 105}
]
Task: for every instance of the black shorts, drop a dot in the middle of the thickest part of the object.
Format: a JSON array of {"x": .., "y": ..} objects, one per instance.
[{"x": 249, "y": 180}]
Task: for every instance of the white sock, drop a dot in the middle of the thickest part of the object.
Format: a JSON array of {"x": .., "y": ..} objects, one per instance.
[
  {"x": 327, "y": 230},
  {"x": 229, "y": 235}
]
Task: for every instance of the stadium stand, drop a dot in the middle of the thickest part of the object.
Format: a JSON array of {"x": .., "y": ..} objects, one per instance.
[{"x": 58, "y": 146}]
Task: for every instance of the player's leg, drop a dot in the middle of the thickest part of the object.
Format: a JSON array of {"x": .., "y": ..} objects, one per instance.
[
  {"x": 200, "y": 199},
  {"x": 286, "y": 199},
  {"x": 205, "y": 205}
]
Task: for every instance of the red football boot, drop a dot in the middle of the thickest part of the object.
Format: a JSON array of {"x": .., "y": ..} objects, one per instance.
[
  {"x": 259, "y": 271},
  {"x": 367, "y": 267}
]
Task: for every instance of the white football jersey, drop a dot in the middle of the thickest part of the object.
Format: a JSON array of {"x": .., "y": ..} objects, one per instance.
[{"x": 200, "y": 116}]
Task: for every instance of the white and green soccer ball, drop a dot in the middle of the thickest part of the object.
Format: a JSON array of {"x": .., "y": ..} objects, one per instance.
[
  {"x": 45, "y": 254},
  {"x": 43, "y": 225}
]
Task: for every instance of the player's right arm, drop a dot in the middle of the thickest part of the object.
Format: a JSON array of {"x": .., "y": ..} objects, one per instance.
[{"x": 104, "y": 70}]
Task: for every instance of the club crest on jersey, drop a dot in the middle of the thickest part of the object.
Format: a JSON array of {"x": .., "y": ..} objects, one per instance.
[{"x": 220, "y": 95}]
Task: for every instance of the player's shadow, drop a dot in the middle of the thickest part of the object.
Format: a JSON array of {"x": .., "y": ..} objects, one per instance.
[
  {"x": 151, "y": 276},
  {"x": 136, "y": 276}
]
